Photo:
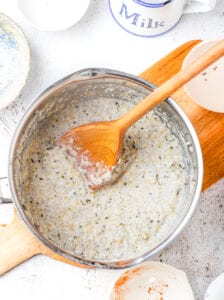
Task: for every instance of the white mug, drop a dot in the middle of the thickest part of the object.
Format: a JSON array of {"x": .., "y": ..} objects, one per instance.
[{"x": 149, "y": 18}]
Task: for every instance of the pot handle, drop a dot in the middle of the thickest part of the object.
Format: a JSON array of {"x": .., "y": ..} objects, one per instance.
[
  {"x": 5, "y": 195},
  {"x": 17, "y": 244}
]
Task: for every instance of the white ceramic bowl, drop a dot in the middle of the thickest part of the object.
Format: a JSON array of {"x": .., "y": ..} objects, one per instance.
[
  {"x": 53, "y": 15},
  {"x": 14, "y": 60},
  {"x": 151, "y": 281},
  {"x": 206, "y": 89},
  {"x": 215, "y": 290}
]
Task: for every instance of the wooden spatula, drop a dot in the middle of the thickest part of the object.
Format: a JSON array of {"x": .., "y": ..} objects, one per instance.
[{"x": 96, "y": 146}]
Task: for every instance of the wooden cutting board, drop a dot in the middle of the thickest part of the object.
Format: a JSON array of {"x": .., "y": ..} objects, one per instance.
[
  {"x": 208, "y": 125},
  {"x": 17, "y": 242}
]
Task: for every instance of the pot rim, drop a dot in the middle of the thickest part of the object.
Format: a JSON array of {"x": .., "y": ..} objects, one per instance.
[{"x": 90, "y": 74}]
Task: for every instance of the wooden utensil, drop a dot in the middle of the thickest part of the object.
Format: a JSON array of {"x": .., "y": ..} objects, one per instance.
[{"x": 98, "y": 144}]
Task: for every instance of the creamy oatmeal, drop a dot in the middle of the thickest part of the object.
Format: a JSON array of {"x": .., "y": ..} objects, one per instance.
[{"x": 121, "y": 220}]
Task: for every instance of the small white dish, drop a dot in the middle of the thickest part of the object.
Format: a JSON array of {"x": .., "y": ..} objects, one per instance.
[
  {"x": 53, "y": 15},
  {"x": 215, "y": 290},
  {"x": 206, "y": 89},
  {"x": 14, "y": 60},
  {"x": 152, "y": 280}
]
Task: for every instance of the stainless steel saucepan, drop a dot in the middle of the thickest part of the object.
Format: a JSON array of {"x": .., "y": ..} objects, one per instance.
[{"x": 21, "y": 239}]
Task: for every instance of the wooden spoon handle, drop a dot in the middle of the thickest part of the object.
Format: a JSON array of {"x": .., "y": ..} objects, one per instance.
[
  {"x": 17, "y": 244},
  {"x": 170, "y": 86}
]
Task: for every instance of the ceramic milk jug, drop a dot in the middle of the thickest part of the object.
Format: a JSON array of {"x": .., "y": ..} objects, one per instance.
[{"x": 149, "y": 18}]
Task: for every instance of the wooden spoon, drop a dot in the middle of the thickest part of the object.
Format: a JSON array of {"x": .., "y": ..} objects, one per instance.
[{"x": 96, "y": 146}]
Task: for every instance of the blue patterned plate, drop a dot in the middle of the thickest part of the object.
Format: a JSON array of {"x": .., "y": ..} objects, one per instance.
[{"x": 14, "y": 60}]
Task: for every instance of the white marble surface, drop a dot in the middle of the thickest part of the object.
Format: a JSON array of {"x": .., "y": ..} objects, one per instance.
[{"x": 97, "y": 41}]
